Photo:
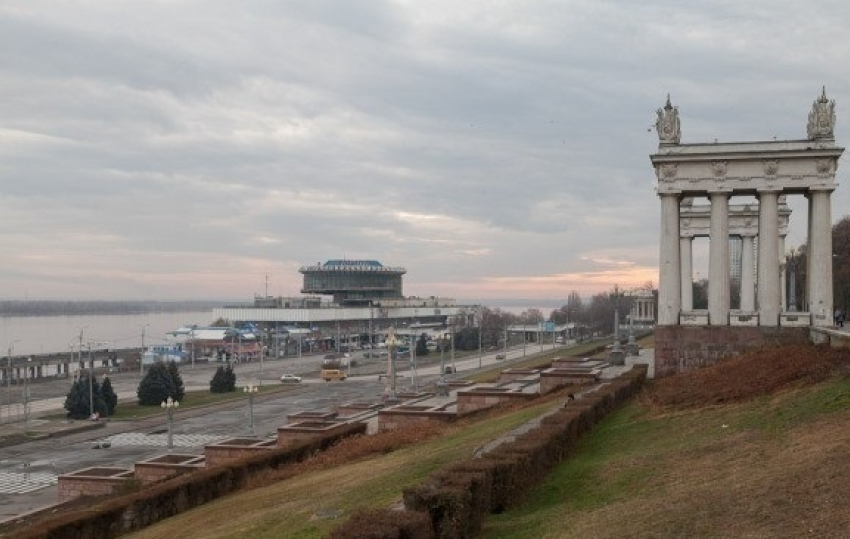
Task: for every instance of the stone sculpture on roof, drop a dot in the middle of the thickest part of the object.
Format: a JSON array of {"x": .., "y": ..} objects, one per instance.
[
  {"x": 667, "y": 125},
  {"x": 822, "y": 118}
]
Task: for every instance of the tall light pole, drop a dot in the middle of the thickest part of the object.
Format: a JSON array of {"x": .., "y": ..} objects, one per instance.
[
  {"x": 91, "y": 385},
  {"x": 480, "y": 330},
  {"x": 250, "y": 391},
  {"x": 142, "y": 354},
  {"x": 9, "y": 375},
  {"x": 452, "y": 336},
  {"x": 27, "y": 390},
  {"x": 169, "y": 405}
]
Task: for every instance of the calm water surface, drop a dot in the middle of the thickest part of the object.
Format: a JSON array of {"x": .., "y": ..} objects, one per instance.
[{"x": 48, "y": 334}]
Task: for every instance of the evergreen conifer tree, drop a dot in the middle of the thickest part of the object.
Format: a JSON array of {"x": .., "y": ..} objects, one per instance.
[
  {"x": 156, "y": 386},
  {"x": 179, "y": 390},
  {"x": 110, "y": 398},
  {"x": 224, "y": 380}
]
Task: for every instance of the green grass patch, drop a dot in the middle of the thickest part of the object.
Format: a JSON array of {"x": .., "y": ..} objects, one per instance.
[{"x": 131, "y": 410}]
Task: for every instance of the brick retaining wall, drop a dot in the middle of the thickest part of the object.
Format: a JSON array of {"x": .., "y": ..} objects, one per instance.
[{"x": 684, "y": 348}]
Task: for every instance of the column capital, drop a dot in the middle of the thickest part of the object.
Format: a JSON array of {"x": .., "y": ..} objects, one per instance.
[{"x": 769, "y": 190}]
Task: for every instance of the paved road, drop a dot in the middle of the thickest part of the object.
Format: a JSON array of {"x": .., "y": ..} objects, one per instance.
[{"x": 28, "y": 471}]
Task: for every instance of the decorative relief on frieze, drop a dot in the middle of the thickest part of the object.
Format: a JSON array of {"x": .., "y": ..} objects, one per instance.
[
  {"x": 771, "y": 167},
  {"x": 822, "y": 119},
  {"x": 667, "y": 170},
  {"x": 719, "y": 168},
  {"x": 823, "y": 166}
]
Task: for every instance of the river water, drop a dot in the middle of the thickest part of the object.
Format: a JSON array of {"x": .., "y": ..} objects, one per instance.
[{"x": 24, "y": 335}]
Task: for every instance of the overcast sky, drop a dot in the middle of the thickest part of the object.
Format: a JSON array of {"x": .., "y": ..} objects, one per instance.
[{"x": 187, "y": 149}]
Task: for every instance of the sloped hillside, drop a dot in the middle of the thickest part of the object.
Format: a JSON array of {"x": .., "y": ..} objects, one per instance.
[{"x": 750, "y": 375}]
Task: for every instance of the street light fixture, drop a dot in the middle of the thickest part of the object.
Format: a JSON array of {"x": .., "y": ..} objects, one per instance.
[
  {"x": 250, "y": 391},
  {"x": 11, "y": 348},
  {"x": 169, "y": 405}
]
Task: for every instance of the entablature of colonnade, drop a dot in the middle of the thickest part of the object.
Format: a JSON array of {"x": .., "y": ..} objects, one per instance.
[
  {"x": 695, "y": 221},
  {"x": 746, "y": 168}
]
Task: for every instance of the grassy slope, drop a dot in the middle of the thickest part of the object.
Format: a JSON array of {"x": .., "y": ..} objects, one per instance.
[{"x": 773, "y": 467}]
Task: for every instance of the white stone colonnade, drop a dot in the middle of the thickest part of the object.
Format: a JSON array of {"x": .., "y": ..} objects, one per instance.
[{"x": 767, "y": 170}]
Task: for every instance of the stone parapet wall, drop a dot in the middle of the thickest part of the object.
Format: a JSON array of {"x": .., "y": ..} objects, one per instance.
[
  {"x": 306, "y": 431},
  {"x": 394, "y": 419},
  {"x": 472, "y": 401},
  {"x": 227, "y": 451},
  {"x": 684, "y": 348},
  {"x": 161, "y": 468},
  {"x": 92, "y": 482}
]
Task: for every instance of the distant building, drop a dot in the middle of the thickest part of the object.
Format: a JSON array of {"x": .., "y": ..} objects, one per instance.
[
  {"x": 366, "y": 300},
  {"x": 353, "y": 282}
]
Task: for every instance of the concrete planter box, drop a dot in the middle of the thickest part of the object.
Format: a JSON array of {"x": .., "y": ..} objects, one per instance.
[
  {"x": 308, "y": 415},
  {"x": 165, "y": 466},
  {"x": 552, "y": 379},
  {"x": 405, "y": 415},
  {"x": 509, "y": 375},
  {"x": 481, "y": 398},
  {"x": 308, "y": 430},
  {"x": 96, "y": 481},
  {"x": 354, "y": 408},
  {"x": 234, "y": 449}
]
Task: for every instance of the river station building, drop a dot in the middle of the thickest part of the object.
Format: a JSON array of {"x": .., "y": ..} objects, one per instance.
[{"x": 365, "y": 299}]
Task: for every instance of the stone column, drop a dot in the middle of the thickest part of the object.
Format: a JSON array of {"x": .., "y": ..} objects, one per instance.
[
  {"x": 686, "y": 253},
  {"x": 783, "y": 272},
  {"x": 718, "y": 263},
  {"x": 819, "y": 281},
  {"x": 768, "y": 268},
  {"x": 748, "y": 302},
  {"x": 669, "y": 272}
]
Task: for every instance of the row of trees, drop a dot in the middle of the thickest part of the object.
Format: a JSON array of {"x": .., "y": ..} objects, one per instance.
[{"x": 162, "y": 381}]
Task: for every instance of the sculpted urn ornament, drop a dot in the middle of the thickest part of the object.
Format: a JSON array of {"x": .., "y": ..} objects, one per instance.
[
  {"x": 822, "y": 119},
  {"x": 667, "y": 124}
]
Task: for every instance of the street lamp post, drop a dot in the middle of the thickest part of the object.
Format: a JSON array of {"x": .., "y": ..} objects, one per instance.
[
  {"x": 250, "y": 391},
  {"x": 480, "y": 330},
  {"x": 9, "y": 375},
  {"x": 27, "y": 390},
  {"x": 142, "y": 354},
  {"x": 452, "y": 337},
  {"x": 169, "y": 405},
  {"x": 617, "y": 356},
  {"x": 442, "y": 386}
]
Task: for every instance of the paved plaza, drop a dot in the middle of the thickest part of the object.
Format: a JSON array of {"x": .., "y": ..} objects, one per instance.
[
  {"x": 138, "y": 439},
  {"x": 23, "y": 482}
]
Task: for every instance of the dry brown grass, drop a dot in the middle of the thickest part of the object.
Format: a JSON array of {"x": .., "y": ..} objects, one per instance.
[{"x": 743, "y": 377}]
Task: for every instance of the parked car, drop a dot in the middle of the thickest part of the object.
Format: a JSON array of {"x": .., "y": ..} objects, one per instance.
[
  {"x": 290, "y": 379},
  {"x": 500, "y": 355}
]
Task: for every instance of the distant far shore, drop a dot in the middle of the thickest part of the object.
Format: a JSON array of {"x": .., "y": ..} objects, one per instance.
[{"x": 71, "y": 307}]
